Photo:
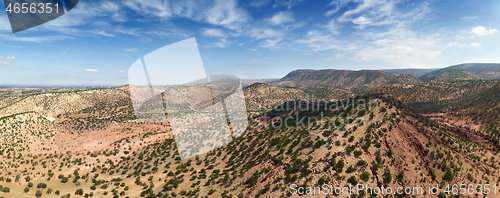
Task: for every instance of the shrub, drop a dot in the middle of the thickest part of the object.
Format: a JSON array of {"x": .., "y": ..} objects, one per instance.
[
  {"x": 6, "y": 189},
  {"x": 38, "y": 193},
  {"x": 448, "y": 176},
  {"x": 352, "y": 180},
  {"x": 365, "y": 176},
  {"x": 79, "y": 192}
]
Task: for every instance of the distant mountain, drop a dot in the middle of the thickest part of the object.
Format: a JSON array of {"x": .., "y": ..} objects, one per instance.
[
  {"x": 341, "y": 82},
  {"x": 414, "y": 72},
  {"x": 483, "y": 70},
  {"x": 248, "y": 82},
  {"x": 448, "y": 74}
]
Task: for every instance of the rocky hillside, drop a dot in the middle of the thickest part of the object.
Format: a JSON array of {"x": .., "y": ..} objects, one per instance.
[
  {"x": 340, "y": 84},
  {"x": 448, "y": 74},
  {"x": 262, "y": 96},
  {"x": 483, "y": 70}
]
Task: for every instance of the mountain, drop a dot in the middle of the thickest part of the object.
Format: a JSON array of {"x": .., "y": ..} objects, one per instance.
[
  {"x": 345, "y": 79},
  {"x": 434, "y": 91},
  {"x": 464, "y": 71},
  {"x": 248, "y": 82},
  {"x": 483, "y": 70},
  {"x": 331, "y": 83},
  {"x": 405, "y": 79},
  {"x": 414, "y": 72},
  {"x": 448, "y": 74}
]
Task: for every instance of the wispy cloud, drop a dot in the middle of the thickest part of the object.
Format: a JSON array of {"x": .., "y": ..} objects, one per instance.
[
  {"x": 220, "y": 43},
  {"x": 319, "y": 41},
  {"x": 132, "y": 50},
  {"x": 152, "y": 8},
  {"x": 259, "y": 3},
  {"x": 268, "y": 43},
  {"x": 211, "y": 32},
  {"x": 383, "y": 12},
  {"x": 104, "y": 33},
  {"x": 336, "y": 4},
  {"x": 470, "y": 18},
  {"x": 287, "y": 3},
  {"x": 66, "y": 50},
  {"x": 34, "y": 39}
]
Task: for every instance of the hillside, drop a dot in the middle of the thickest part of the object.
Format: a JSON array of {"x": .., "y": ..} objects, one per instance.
[
  {"x": 398, "y": 135},
  {"x": 340, "y": 83},
  {"x": 447, "y": 74},
  {"x": 385, "y": 144},
  {"x": 414, "y": 72},
  {"x": 483, "y": 70},
  {"x": 262, "y": 96}
]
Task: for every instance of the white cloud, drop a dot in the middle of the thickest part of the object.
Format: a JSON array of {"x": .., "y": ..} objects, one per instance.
[
  {"x": 4, "y": 62},
  {"x": 8, "y": 61},
  {"x": 132, "y": 50},
  {"x": 481, "y": 31},
  {"x": 281, "y": 18},
  {"x": 474, "y": 44},
  {"x": 120, "y": 71},
  {"x": 455, "y": 44},
  {"x": 399, "y": 47},
  {"x": 361, "y": 21},
  {"x": 319, "y": 41},
  {"x": 211, "y": 32},
  {"x": 91, "y": 70}
]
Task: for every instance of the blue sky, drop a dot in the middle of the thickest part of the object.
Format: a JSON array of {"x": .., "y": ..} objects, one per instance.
[{"x": 97, "y": 41}]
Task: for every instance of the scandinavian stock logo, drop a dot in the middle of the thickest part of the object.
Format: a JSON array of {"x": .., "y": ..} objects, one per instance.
[
  {"x": 170, "y": 85},
  {"x": 25, "y": 14}
]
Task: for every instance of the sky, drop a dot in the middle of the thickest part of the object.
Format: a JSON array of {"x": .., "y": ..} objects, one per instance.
[{"x": 97, "y": 41}]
